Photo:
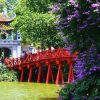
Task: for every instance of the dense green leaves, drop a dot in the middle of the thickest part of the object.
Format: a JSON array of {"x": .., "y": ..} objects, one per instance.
[
  {"x": 86, "y": 89},
  {"x": 7, "y": 75},
  {"x": 40, "y": 6},
  {"x": 36, "y": 25}
]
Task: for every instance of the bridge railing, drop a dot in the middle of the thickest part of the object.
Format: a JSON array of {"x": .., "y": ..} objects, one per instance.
[
  {"x": 49, "y": 57},
  {"x": 60, "y": 53}
]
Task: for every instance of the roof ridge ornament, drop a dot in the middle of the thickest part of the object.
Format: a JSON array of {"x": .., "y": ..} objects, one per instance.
[{"x": 5, "y": 12}]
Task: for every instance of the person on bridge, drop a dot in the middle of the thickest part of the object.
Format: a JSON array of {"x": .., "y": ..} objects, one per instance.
[
  {"x": 39, "y": 50},
  {"x": 52, "y": 48},
  {"x": 34, "y": 51},
  {"x": 24, "y": 54}
]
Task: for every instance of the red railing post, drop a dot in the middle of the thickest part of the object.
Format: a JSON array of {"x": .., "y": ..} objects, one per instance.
[
  {"x": 22, "y": 75},
  {"x": 71, "y": 73},
  {"x": 39, "y": 74},
  {"x": 59, "y": 77},
  {"x": 30, "y": 74},
  {"x": 49, "y": 74}
]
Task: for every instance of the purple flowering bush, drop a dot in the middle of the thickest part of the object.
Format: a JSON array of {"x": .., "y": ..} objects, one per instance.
[
  {"x": 79, "y": 21},
  {"x": 87, "y": 61}
]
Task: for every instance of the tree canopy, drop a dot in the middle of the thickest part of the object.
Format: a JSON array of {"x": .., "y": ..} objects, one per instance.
[{"x": 36, "y": 25}]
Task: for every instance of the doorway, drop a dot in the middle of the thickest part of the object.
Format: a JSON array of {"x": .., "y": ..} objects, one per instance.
[{"x": 6, "y": 51}]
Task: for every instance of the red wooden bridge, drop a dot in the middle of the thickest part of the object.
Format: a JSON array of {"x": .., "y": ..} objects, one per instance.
[{"x": 57, "y": 57}]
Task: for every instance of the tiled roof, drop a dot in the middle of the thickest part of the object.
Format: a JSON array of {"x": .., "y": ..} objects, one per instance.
[{"x": 4, "y": 18}]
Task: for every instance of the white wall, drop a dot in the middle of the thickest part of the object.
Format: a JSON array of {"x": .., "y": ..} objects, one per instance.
[
  {"x": 14, "y": 52},
  {"x": 18, "y": 51}
]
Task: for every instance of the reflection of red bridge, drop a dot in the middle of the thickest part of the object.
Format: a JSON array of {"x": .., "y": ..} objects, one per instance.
[{"x": 57, "y": 57}]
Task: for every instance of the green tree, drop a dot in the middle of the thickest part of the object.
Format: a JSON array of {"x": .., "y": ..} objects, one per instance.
[
  {"x": 36, "y": 27},
  {"x": 41, "y": 6}
]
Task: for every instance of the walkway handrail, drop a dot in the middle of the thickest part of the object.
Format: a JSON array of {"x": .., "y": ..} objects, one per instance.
[{"x": 57, "y": 56}]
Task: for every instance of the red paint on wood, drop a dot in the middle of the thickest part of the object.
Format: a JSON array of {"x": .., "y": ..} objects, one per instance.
[
  {"x": 39, "y": 74},
  {"x": 30, "y": 74},
  {"x": 56, "y": 56},
  {"x": 22, "y": 75},
  {"x": 49, "y": 75},
  {"x": 59, "y": 78}
]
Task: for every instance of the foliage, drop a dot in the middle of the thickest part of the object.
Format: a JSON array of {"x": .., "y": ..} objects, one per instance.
[
  {"x": 79, "y": 21},
  {"x": 87, "y": 60},
  {"x": 3, "y": 35},
  {"x": 7, "y": 75},
  {"x": 82, "y": 89},
  {"x": 11, "y": 4},
  {"x": 67, "y": 90},
  {"x": 36, "y": 27},
  {"x": 2, "y": 3},
  {"x": 40, "y": 6},
  {"x": 8, "y": 5}
]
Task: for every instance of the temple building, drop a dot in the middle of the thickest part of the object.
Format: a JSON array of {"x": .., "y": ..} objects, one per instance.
[{"x": 10, "y": 41}]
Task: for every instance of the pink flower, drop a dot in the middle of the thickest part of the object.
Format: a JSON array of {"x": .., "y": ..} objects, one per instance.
[
  {"x": 95, "y": 5},
  {"x": 73, "y": 2}
]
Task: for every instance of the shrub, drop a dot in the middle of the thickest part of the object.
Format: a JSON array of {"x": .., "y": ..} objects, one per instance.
[{"x": 7, "y": 75}]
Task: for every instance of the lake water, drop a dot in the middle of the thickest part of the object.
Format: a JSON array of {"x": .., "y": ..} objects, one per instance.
[{"x": 28, "y": 91}]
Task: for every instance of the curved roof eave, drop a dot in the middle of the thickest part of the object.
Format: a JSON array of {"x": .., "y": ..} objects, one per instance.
[{"x": 6, "y": 19}]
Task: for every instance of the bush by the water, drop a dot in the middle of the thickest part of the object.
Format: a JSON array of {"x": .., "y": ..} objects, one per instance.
[
  {"x": 7, "y": 75},
  {"x": 86, "y": 89}
]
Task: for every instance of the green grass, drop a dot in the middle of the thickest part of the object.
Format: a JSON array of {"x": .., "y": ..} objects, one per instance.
[{"x": 27, "y": 91}]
